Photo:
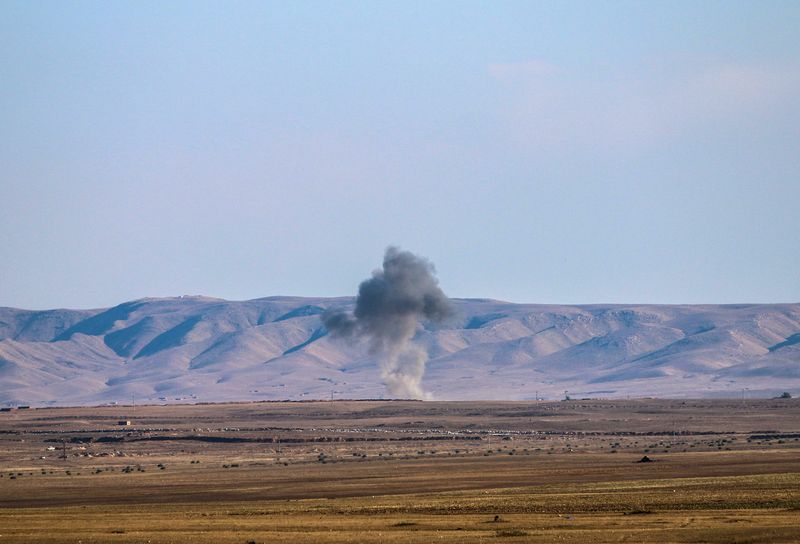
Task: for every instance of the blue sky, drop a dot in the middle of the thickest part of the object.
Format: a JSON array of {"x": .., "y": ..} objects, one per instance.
[{"x": 560, "y": 152}]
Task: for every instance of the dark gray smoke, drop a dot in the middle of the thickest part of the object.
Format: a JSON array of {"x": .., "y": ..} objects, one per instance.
[{"x": 388, "y": 309}]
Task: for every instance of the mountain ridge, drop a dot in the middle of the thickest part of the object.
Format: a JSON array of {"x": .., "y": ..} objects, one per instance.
[{"x": 196, "y": 348}]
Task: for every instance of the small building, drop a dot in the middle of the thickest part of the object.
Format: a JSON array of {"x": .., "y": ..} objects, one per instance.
[{"x": 124, "y": 422}]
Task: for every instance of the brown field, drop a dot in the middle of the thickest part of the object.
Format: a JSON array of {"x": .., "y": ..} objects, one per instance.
[{"x": 396, "y": 471}]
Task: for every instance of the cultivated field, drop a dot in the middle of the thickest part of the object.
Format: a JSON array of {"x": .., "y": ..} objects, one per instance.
[{"x": 397, "y": 471}]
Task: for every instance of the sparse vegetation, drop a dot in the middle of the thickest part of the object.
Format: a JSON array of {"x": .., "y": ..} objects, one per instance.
[
  {"x": 510, "y": 532},
  {"x": 403, "y": 480}
]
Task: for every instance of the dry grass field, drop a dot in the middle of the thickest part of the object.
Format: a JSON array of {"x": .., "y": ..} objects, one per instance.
[{"x": 395, "y": 471}]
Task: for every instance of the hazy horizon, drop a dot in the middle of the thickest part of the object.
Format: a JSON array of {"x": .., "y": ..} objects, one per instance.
[{"x": 462, "y": 298}]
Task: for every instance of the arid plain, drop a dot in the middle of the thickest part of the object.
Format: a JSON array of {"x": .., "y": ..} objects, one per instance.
[{"x": 404, "y": 471}]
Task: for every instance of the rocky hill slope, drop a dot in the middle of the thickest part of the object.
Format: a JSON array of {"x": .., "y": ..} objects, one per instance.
[{"x": 200, "y": 349}]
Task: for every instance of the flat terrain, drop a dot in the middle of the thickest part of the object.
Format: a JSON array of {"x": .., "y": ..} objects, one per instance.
[{"x": 403, "y": 471}]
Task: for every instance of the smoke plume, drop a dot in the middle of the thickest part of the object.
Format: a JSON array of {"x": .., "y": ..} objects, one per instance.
[{"x": 388, "y": 309}]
